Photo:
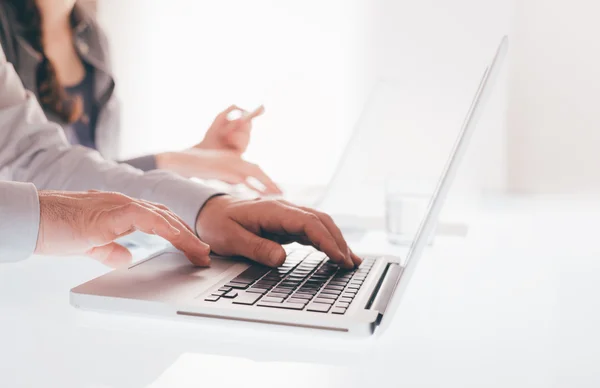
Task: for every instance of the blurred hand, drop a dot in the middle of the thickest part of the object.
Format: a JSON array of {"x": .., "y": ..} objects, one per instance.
[
  {"x": 230, "y": 135},
  {"x": 223, "y": 165},
  {"x": 256, "y": 229},
  {"x": 88, "y": 223}
]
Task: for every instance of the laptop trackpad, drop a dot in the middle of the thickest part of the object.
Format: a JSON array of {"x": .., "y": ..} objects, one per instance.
[{"x": 168, "y": 277}]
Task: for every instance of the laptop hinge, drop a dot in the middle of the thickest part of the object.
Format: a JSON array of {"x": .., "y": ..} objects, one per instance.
[{"x": 385, "y": 288}]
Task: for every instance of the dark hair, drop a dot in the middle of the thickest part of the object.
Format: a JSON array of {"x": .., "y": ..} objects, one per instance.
[{"x": 52, "y": 95}]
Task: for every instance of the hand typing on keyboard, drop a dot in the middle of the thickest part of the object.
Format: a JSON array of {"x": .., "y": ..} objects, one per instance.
[
  {"x": 256, "y": 229},
  {"x": 306, "y": 281}
]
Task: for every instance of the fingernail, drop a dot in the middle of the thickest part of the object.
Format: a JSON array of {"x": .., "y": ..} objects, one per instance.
[{"x": 175, "y": 230}]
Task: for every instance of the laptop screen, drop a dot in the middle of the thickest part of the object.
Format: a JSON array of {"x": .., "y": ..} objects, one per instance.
[{"x": 444, "y": 184}]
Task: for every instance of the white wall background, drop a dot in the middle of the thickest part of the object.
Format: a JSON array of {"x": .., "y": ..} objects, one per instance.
[
  {"x": 312, "y": 63},
  {"x": 180, "y": 62},
  {"x": 554, "y": 111}
]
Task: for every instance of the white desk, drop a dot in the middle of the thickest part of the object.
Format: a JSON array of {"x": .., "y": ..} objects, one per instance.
[{"x": 515, "y": 304}]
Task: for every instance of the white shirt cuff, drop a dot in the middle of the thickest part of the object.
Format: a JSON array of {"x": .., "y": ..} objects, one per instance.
[{"x": 19, "y": 220}]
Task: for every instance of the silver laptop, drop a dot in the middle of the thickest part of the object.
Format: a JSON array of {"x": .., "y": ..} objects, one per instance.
[{"x": 307, "y": 291}]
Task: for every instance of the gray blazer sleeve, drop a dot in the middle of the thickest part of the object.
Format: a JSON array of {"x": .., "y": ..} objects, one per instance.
[{"x": 34, "y": 150}]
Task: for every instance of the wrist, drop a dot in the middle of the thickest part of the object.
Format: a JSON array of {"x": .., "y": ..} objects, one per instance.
[
  {"x": 39, "y": 246},
  {"x": 216, "y": 201}
]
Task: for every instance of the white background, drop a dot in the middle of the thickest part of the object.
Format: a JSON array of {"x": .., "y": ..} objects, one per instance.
[
  {"x": 555, "y": 88},
  {"x": 313, "y": 63}
]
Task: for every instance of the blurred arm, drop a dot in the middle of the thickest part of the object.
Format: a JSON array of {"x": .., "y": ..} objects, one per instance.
[{"x": 34, "y": 150}]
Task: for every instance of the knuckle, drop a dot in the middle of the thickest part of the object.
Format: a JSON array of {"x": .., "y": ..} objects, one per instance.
[
  {"x": 118, "y": 196},
  {"x": 134, "y": 207},
  {"x": 312, "y": 218},
  {"x": 162, "y": 207}
]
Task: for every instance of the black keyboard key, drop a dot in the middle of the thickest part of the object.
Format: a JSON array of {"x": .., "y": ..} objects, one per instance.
[
  {"x": 225, "y": 289},
  {"x": 314, "y": 279},
  {"x": 277, "y": 295},
  {"x": 282, "y": 288},
  {"x": 329, "y": 287},
  {"x": 272, "y": 278},
  {"x": 257, "y": 290},
  {"x": 337, "y": 283},
  {"x": 347, "y": 300},
  {"x": 270, "y": 299},
  {"x": 291, "y": 285},
  {"x": 287, "y": 306},
  {"x": 338, "y": 310},
  {"x": 300, "y": 273},
  {"x": 265, "y": 284},
  {"x": 351, "y": 292},
  {"x": 241, "y": 281},
  {"x": 296, "y": 300},
  {"x": 327, "y": 296},
  {"x": 302, "y": 296},
  {"x": 315, "y": 285},
  {"x": 342, "y": 304},
  {"x": 253, "y": 272},
  {"x": 237, "y": 285},
  {"x": 342, "y": 275},
  {"x": 331, "y": 292},
  {"x": 247, "y": 298},
  {"x": 309, "y": 287},
  {"x": 353, "y": 287},
  {"x": 319, "y": 307},
  {"x": 322, "y": 300},
  {"x": 231, "y": 294},
  {"x": 219, "y": 293},
  {"x": 212, "y": 298},
  {"x": 312, "y": 286}
]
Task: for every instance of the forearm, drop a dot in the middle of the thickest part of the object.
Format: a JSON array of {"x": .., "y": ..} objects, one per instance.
[
  {"x": 79, "y": 169},
  {"x": 19, "y": 220},
  {"x": 33, "y": 150}
]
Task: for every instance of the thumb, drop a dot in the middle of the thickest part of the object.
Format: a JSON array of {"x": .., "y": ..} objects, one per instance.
[
  {"x": 112, "y": 255},
  {"x": 229, "y": 114},
  {"x": 259, "y": 249}
]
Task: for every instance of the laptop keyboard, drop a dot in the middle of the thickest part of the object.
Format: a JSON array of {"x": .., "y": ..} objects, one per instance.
[{"x": 306, "y": 281}]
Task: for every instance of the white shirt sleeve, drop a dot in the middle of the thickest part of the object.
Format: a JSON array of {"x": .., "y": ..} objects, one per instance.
[{"x": 19, "y": 220}]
